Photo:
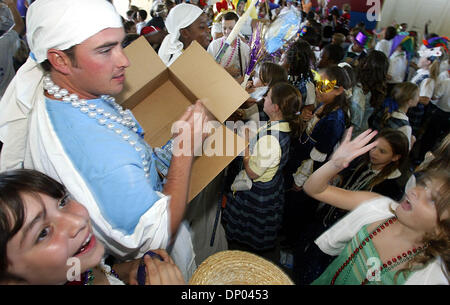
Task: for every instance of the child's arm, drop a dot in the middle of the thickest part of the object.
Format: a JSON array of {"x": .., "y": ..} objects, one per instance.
[
  {"x": 251, "y": 174},
  {"x": 317, "y": 185}
]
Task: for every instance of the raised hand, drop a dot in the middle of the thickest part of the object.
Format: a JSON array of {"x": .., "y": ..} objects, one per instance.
[{"x": 351, "y": 149}]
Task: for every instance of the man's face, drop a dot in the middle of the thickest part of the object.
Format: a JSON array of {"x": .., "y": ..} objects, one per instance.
[
  {"x": 99, "y": 65},
  {"x": 227, "y": 27},
  {"x": 199, "y": 31}
]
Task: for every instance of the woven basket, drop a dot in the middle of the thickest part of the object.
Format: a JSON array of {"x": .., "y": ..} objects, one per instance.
[{"x": 238, "y": 268}]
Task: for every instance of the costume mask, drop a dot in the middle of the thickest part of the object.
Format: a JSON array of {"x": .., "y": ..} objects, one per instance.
[{"x": 324, "y": 85}]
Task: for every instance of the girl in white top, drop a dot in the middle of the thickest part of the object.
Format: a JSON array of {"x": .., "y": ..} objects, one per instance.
[
  {"x": 398, "y": 64},
  {"x": 421, "y": 221},
  {"x": 385, "y": 44}
]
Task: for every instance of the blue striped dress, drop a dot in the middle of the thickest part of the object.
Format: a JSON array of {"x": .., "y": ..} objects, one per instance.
[{"x": 254, "y": 217}]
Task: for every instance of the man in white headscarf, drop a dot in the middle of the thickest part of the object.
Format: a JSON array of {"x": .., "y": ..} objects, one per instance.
[
  {"x": 57, "y": 117},
  {"x": 185, "y": 23}
]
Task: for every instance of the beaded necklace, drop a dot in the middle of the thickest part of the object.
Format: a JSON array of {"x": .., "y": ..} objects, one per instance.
[
  {"x": 236, "y": 46},
  {"x": 388, "y": 266},
  {"x": 88, "y": 277},
  {"x": 114, "y": 122}
]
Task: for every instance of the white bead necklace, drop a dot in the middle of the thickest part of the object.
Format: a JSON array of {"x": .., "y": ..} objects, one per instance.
[{"x": 104, "y": 118}]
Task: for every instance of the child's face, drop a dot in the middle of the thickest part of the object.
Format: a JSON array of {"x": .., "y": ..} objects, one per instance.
[
  {"x": 382, "y": 154},
  {"x": 326, "y": 96},
  {"x": 269, "y": 107},
  {"x": 50, "y": 246},
  {"x": 417, "y": 209},
  {"x": 227, "y": 27}
]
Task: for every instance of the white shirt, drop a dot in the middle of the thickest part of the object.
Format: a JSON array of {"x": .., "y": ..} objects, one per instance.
[
  {"x": 384, "y": 46},
  {"x": 442, "y": 95},
  {"x": 231, "y": 56},
  {"x": 139, "y": 27},
  {"x": 426, "y": 86},
  {"x": 397, "y": 67}
]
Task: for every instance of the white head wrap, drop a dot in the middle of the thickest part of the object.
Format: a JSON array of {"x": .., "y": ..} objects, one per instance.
[
  {"x": 180, "y": 17},
  {"x": 58, "y": 24},
  {"x": 61, "y": 24}
]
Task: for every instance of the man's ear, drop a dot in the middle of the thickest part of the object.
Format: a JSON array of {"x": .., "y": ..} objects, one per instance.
[
  {"x": 184, "y": 33},
  {"x": 185, "y": 37},
  {"x": 59, "y": 61}
]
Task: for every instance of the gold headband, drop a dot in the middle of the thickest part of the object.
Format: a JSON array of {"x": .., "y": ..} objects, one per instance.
[{"x": 324, "y": 85}]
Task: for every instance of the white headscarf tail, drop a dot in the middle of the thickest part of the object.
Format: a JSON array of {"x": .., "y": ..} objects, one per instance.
[{"x": 58, "y": 24}]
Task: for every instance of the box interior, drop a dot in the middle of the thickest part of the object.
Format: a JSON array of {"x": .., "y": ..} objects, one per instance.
[{"x": 158, "y": 96}]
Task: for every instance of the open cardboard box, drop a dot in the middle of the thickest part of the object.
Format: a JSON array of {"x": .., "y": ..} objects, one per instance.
[{"x": 158, "y": 96}]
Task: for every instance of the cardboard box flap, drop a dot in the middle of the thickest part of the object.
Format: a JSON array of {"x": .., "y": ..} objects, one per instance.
[
  {"x": 206, "y": 168},
  {"x": 145, "y": 66},
  {"x": 208, "y": 81},
  {"x": 158, "y": 96}
]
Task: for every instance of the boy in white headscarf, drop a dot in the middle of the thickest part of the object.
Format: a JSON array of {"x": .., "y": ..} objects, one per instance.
[
  {"x": 57, "y": 118},
  {"x": 185, "y": 23}
]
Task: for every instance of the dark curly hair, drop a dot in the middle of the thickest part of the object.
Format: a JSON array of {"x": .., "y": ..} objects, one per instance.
[
  {"x": 372, "y": 73},
  {"x": 300, "y": 59},
  {"x": 341, "y": 101}
]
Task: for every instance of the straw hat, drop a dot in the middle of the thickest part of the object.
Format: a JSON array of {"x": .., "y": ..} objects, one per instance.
[{"x": 238, "y": 268}]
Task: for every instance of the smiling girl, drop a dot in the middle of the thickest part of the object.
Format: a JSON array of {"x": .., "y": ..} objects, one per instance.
[{"x": 44, "y": 234}]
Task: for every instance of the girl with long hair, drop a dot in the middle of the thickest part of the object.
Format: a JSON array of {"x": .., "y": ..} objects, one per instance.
[
  {"x": 376, "y": 171},
  {"x": 382, "y": 241},
  {"x": 314, "y": 146},
  {"x": 252, "y": 217},
  {"x": 370, "y": 90}
]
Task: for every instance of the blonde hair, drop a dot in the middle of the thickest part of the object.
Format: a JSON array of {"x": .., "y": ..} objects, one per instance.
[
  {"x": 404, "y": 92},
  {"x": 434, "y": 69}
]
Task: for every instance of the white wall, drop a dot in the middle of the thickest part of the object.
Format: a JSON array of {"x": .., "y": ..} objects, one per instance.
[{"x": 416, "y": 13}]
